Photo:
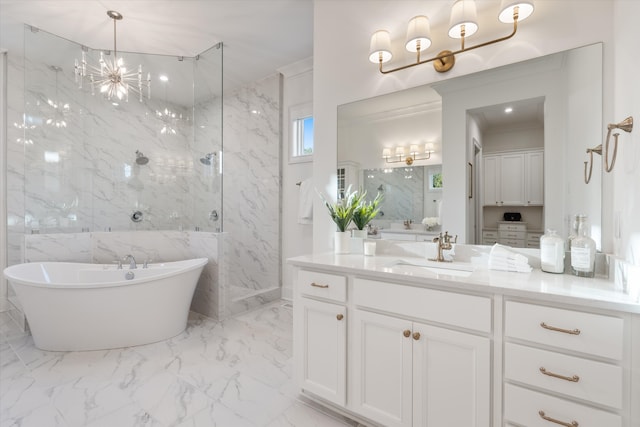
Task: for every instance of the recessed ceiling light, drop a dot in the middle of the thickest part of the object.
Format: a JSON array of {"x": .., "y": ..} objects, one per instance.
[
  {"x": 163, "y": 78},
  {"x": 508, "y": 110}
]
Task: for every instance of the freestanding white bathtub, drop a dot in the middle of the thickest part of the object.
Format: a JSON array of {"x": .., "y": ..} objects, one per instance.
[{"x": 75, "y": 306}]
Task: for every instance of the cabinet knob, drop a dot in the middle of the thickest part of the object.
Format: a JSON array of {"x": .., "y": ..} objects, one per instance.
[
  {"x": 416, "y": 336},
  {"x": 340, "y": 316},
  {"x": 406, "y": 333}
]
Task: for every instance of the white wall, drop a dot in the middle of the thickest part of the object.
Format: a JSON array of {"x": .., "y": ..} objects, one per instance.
[
  {"x": 296, "y": 238},
  {"x": 342, "y": 72},
  {"x": 625, "y": 178}
]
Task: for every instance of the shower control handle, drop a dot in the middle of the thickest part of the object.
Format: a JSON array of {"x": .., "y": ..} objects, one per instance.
[
  {"x": 213, "y": 215},
  {"x": 136, "y": 216}
]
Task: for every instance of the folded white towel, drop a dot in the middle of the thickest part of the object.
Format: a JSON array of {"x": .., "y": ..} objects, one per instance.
[
  {"x": 502, "y": 258},
  {"x": 305, "y": 203}
]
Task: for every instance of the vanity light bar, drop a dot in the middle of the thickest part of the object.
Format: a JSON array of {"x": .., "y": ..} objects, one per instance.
[{"x": 463, "y": 24}]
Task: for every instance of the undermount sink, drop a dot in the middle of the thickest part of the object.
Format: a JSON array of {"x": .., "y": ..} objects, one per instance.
[{"x": 459, "y": 269}]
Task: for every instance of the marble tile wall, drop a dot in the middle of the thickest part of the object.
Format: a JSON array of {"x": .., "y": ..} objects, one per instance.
[
  {"x": 251, "y": 192},
  {"x": 403, "y": 191}
]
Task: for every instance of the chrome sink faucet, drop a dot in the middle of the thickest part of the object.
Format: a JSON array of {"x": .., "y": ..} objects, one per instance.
[
  {"x": 444, "y": 243},
  {"x": 132, "y": 264}
]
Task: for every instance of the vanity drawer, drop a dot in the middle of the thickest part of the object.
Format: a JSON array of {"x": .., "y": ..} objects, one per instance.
[
  {"x": 506, "y": 234},
  {"x": 323, "y": 285},
  {"x": 465, "y": 311},
  {"x": 527, "y": 408},
  {"x": 567, "y": 329},
  {"x": 514, "y": 243},
  {"x": 595, "y": 381},
  {"x": 512, "y": 227},
  {"x": 489, "y": 234}
]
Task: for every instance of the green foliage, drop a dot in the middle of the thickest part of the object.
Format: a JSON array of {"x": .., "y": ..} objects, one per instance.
[
  {"x": 342, "y": 211},
  {"x": 366, "y": 211}
]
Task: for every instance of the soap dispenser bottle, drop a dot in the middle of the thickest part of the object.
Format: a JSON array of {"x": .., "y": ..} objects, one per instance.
[
  {"x": 552, "y": 252},
  {"x": 583, "y": 250}
]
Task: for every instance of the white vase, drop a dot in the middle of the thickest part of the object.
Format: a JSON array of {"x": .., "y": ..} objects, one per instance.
[{"x": 342, "y": 242}]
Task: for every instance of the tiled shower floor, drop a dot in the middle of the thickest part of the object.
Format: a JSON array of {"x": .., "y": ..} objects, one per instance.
[{"x": 231, "y": 373}]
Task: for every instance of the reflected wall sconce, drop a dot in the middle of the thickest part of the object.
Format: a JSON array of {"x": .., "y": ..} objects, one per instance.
[
  {"x": 625, "y": 125},
  {"x": 463, "y": 24},
  {"x": 415, "y": 153}
]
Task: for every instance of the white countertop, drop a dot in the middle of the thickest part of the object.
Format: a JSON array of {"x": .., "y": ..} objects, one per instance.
[
  {"x": 559, "y": 288},
  {"x": 409, "y": 231}
]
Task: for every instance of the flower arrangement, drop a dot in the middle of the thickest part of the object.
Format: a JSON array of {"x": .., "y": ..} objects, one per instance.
[
  {"x": 366, "y": 211},
  {"x": 430, "y": 222},
  {"x": 343, "y": 210}
]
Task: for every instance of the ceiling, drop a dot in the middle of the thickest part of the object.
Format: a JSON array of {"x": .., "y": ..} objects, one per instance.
[{"x": 259, "y": 36}]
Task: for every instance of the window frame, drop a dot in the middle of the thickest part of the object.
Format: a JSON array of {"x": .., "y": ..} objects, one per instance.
[{"x": 298, "y": 112}]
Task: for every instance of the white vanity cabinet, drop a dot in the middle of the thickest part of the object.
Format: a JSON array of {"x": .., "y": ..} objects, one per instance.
[
  {"x": 391, "y": 348},
  {"x": 321, "y": 335},
  {"x": 514, "y": 179},
  {"x": 563, "y": 367},
  {"x": 404, "y": 370}
]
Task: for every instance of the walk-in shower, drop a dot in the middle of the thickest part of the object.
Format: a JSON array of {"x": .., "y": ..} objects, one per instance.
[{"x": 113, "y": 158}]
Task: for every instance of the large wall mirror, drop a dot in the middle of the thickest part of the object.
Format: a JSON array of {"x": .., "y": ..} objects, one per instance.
[{"x": 507, "y": 140}]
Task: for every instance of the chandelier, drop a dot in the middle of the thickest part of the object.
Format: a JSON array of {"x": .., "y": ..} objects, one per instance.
[
  {"x": 110, "y": 75},
  {"x": 463, "y": 24}
]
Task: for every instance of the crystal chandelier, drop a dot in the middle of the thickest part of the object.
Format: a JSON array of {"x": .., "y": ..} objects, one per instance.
[
  {"x": 110, "y": 75},
  {"x": 60, "y": 109}
]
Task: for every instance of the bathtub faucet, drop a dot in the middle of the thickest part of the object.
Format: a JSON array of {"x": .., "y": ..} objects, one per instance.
[{"x": 132, "y": 264}]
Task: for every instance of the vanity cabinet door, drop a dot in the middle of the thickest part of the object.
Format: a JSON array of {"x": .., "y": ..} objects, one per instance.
[
  {"x": 491, "y": 178},
  {"x": 512, "y": 179},
  {"x": 451, "y": 378},
  {"x": 322, "y": 349},
  {"x": 381, "y": 368},
  {"x": 534, "y": 181}
]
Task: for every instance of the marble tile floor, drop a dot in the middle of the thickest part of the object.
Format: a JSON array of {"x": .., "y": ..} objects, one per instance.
[{"x": 231, "y": 373}]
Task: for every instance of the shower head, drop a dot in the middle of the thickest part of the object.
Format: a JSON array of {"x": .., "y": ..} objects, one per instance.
[
  {"x": 141, "y": 159},
  {"x": 206, "y": 160}
]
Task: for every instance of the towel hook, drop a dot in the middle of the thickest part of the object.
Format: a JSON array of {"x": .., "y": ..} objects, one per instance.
[
  {"x": 625, "y": 125},
  {"x": 590, "y": 151}
]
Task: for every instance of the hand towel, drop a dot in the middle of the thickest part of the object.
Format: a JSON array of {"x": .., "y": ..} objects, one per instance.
[
  {"x": 305, "y": 202},
  {"x": 503, "y": 258}
]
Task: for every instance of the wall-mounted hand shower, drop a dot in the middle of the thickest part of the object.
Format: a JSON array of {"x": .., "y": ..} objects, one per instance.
[
  {"x": 208, "y": 158},
  {"x": 141, "y": 159}
]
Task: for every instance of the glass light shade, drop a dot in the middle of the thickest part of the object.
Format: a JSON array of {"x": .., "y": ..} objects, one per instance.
[
  {"x": 413, "y": 149},
  {"x": 399, "y": 151},
  {"x": 380, "y": 45},
  {"x": 428, "y": 147},
  {"x": 463, "y": 12},
  {"x": 418, "y": 30},
  {"x": 386, "y": 153},
  {"x": 525, "y": 9}
]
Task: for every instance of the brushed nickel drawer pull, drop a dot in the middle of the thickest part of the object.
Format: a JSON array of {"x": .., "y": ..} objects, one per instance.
[
  {"x": 573, "y": 379},
  {"x": 566, "y": 331},
  {"x": 553, "y": 420},
  {"x": 339, "y": 317},
  {"x": 315, "y": 285}
]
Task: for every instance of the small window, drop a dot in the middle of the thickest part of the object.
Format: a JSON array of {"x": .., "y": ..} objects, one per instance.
[{"x": 301, "y": 133}]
